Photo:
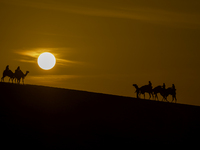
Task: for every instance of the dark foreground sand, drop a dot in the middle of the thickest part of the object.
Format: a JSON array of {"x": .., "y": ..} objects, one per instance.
[{"x": 44, "y": 117}]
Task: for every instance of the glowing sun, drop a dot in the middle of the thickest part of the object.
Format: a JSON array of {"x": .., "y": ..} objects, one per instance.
[{"x": 46, "y": 61}]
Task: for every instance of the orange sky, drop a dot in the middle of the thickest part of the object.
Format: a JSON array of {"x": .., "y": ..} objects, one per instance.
[{"x": 105, "y": 46}]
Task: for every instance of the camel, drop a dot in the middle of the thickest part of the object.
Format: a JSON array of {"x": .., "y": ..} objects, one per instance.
[
  {"x": 165, "y": 92},
  {"x": 171, "y": 91},
  {"x": 144, "y": 89},
  {"x": 19, "y": 75},
  {"x": 8, "y": 73},
  {"x": 137, "y": 90},
  {"x": 160, "y": 89},
  {"x": 157, "y": 90}
]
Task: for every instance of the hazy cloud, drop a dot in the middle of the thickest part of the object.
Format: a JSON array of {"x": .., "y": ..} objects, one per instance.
[
  {"x": 31, "y": 56},
  {"x": 52, "y": 77}
]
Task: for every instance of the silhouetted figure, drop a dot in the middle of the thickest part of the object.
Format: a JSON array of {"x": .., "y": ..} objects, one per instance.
[
  {"x": 7, "y": 67},
  {"x": 163, "y": 85},
  {"x": 171, "y": 91},
  {"x": 164, "y": 93},
  {"x": 150, "y": 84},
  {"x": 9, "y": 73},
  {"x": 17, "y": 71},
  {"x": 20, "y": 75},
  {"x": 156, "y": 90},
  {"x": 174, "y": 93},
  {"x": 159, "y": 89},
  {"x": 144, "y": 89},
  {"x": 137, "y": 90}
]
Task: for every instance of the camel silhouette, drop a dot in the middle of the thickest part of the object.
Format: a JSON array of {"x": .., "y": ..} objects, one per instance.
[
  {"x": 144, "y": 89},
  {"x": 160, "y": 89},
  {"x": 20, "y": 75},
  {"x": 9, "y": 73},
  {"x": 171, "y": 91},
  {"x": 156, "y": 90},
  {"x": 165, "y": 92}
]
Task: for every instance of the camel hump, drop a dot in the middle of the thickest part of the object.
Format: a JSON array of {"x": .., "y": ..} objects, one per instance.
[
  {"x": 157, "y": 87},
  {"x": 171, "y": 90},
  {"x": 9, "y": 71},
  {"x": 19, "y": 72},
  {"x": 146, "y": 87}
]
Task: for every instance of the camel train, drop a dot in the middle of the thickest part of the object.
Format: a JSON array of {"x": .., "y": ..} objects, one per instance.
[
  {"x": 153, "y": 92},
  {"x": 17, "y": 76}
]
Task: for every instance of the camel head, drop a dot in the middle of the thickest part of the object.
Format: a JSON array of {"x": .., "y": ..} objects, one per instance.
[
  {"x": 27, "y": 72},
  {"x": 136, "y": 86}
]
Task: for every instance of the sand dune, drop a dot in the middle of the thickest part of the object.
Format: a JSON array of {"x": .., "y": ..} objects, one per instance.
[{"x": 39, "y": 116}]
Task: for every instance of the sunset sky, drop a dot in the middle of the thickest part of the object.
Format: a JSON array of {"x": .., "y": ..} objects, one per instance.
[{"x": 105, "y": 45}]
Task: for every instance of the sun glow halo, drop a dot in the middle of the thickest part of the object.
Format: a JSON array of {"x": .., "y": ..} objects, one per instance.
[{"x": 46, "y": 61}]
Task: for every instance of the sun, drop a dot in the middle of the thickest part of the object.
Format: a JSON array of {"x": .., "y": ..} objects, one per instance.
[{"x": 46, "y": 61}]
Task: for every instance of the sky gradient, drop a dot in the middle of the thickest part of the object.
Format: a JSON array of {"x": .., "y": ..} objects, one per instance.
[{"x": 105, "y": 46}]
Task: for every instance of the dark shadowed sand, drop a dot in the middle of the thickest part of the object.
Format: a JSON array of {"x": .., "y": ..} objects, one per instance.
[{"x": 45, "y": 117}]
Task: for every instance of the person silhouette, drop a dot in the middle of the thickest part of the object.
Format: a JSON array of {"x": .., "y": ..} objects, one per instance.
[
  {"x": 9, "y": 73},
  {"x": 174, "y": 93},
  {"x": 173, "y": 87},
  {"x": 150, "y": 84},
  {"x": 17, "y": 71},
  {"x": 163, "y": 85},
  {"x": 7, "y": 67}
]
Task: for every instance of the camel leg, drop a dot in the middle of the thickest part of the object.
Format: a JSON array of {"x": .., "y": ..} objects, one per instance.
[
  {"x": 174, "y": 98},
  {"x": 164, "y": 98},
  {"x": 156, "y": 97},
  {"x": 149, "y": 95},
  {"x": 2, "y": 79},
  {"x": 137, "y": 95},
  {"x": 152, "y": 95},
  {"x": 11, "y": 80}
]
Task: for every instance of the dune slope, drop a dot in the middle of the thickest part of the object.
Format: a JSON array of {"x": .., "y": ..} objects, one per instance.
[{"x": 39, "y": 116}]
